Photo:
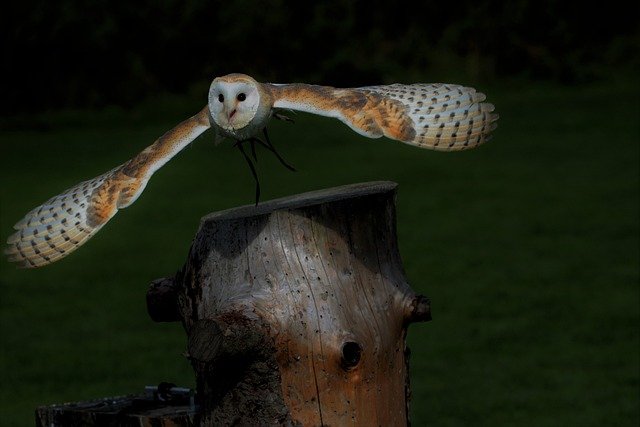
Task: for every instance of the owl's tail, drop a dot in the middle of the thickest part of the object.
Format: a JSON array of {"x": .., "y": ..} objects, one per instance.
[{"x": 59, "y": 226}]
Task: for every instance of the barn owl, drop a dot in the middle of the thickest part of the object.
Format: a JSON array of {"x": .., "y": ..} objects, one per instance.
[{"x": 441, "y": 117}]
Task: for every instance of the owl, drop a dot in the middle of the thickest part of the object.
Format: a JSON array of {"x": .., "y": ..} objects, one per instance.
[{"x": 441, "y": 117}]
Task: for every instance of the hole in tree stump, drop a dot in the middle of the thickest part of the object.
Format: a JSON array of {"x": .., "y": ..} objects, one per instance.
[{"x": 351, "y": 352}]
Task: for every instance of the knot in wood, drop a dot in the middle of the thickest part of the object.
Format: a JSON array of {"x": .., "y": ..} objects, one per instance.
[
  {"x": 420, "y": 309},
  {"x": 351, "y": 353}
]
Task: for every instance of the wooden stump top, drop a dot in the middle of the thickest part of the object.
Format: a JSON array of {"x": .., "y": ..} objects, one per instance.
[{"x": 311, "y": 198}]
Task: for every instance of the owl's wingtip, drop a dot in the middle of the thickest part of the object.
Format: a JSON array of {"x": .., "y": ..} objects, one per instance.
[{"x": 13, "y": 238}]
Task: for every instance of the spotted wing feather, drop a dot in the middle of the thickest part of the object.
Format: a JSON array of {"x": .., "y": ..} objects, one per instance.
[
  {"x": 63, "y": 223},
  {"x": 436, "y": 116}
]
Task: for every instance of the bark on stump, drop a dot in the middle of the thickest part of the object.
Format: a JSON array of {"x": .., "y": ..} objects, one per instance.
[{"x": 297, "y": 310}]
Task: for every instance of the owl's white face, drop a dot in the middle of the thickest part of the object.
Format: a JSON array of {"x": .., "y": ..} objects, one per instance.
[{"x": 233, "y": 104}]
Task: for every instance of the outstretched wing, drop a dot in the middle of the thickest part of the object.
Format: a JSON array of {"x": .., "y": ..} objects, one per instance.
[
  {"x": 63, "y": 223},
  {"x": 437, "y": 116}
]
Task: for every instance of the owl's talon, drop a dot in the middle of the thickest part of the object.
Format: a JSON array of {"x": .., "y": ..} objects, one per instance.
[{"x": 283, "y": 117}]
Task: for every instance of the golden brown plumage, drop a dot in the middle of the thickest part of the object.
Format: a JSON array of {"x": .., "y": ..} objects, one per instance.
[
  {"x": 436, "y": 116},
  {"x": 63, "y": 223}
]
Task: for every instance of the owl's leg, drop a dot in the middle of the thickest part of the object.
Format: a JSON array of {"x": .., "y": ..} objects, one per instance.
[
  {"x": 283, "y": 117},
  {"x": 266, "y": 143},
  {"x": 269, "y": 146},
  {"x": 253, "y": 150},
  {"x": 251, "y": 165}
]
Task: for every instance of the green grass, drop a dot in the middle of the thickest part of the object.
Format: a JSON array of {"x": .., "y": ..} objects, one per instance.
[{"x": 528, "y": 248}]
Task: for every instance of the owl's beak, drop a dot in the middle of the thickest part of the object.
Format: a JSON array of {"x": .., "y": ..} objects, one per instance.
[{"x": 233, "y": 113}]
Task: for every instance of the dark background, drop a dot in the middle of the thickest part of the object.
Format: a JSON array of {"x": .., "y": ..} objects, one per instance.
[
  {"x": 87, "y": 54},
  {"x": 528, "y": 246}
]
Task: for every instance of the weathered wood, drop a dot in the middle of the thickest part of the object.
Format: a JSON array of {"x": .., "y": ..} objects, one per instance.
[
  {"x": 296, "y": 311},
  {"x": 132, "y": 410}
]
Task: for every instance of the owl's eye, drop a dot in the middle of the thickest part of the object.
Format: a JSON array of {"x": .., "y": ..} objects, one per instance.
[
  {"x": 241, "y": 97},
  {"x": 221, "y": 98}
]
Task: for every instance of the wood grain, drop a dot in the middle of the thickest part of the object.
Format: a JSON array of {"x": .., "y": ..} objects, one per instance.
[{"x": 297, "y": 311}]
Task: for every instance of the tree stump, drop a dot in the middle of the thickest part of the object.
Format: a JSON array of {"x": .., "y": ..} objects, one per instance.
[{"x": 296, "y": 311}]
